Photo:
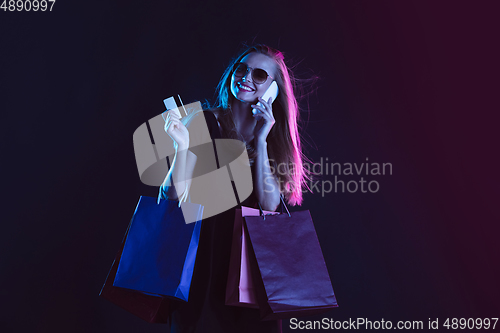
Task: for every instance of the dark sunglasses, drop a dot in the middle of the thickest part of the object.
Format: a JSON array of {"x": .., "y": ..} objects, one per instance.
[{"x": 259, "y": 76}]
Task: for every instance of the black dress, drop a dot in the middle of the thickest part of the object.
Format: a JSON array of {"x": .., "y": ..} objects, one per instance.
[{"x": 206, "y": 310}]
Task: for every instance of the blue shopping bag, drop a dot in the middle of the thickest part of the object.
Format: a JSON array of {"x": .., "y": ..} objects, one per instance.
[{"x": 160, "y": 248}]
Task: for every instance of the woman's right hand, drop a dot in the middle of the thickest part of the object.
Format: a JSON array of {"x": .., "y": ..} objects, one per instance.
[{"x": 176, "y": 130}]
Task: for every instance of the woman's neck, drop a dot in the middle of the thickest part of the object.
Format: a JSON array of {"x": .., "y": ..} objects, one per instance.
[{"x": 243, "y": 119}]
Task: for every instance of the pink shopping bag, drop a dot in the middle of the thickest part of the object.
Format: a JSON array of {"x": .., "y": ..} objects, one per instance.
[{"x": 240, "y": 285}]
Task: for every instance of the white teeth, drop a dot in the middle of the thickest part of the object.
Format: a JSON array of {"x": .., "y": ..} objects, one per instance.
[{"x": 244, "y": 88}]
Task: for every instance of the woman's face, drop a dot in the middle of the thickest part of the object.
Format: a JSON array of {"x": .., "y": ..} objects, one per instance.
[{"x": 244, "y": 88}]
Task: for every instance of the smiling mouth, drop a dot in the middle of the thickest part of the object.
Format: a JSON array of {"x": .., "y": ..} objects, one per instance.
[{"x": 245, "y": 88}]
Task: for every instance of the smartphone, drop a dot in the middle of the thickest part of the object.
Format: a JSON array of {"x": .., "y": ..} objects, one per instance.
[{"x": 272, "y": 91}]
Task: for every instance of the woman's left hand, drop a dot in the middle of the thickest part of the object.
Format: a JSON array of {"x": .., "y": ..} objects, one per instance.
[{"x": 265, "y": 120}]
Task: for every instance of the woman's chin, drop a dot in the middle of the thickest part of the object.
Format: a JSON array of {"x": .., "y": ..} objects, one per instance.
[{"x": 244, "y": 98}]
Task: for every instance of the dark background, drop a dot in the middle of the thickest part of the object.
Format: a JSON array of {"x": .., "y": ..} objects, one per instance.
[{"x": 412, "y": 83}]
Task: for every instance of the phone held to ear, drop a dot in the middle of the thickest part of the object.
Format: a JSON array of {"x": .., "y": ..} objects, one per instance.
[{"x": 272, "y": 91}]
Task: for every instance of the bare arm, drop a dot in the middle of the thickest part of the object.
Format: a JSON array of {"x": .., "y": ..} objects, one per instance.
[
  {"x": 178, "y": 179},
  {"x": 266, "y": 185}
]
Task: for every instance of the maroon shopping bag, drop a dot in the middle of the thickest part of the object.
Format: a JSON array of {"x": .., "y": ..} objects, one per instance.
[
  {"x": 151, "y": 308},
  {"x": 240, "y": 288},
  {"x": 288, "y": 266}
]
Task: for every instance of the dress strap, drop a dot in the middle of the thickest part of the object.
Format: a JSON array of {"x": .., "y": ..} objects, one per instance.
[{"x": 213, "y": 124}]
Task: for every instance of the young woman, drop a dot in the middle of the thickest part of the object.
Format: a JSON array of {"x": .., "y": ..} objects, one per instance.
[{"x": 270, "y": 132}]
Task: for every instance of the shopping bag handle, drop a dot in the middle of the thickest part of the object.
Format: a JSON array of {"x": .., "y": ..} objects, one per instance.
[{"x": 283, "y": 204}]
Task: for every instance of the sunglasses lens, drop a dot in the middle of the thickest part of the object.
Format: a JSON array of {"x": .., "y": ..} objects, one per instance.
[
  {"x": 240, "y": 69},
  {"x": 259, "y": 75}
]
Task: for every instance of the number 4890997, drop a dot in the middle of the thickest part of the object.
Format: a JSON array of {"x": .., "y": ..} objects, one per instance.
[{"x": 27, "y": 5}]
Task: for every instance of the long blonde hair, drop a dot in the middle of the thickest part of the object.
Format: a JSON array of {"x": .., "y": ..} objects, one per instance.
[{"x": 285, "y": 153}]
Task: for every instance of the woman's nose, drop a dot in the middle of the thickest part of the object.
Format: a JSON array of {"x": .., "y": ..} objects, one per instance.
[{"x": 247, "y": 77}]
